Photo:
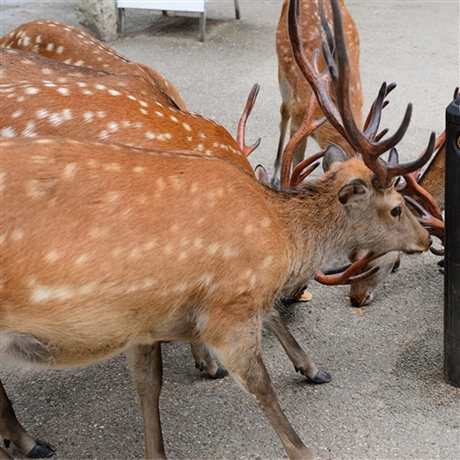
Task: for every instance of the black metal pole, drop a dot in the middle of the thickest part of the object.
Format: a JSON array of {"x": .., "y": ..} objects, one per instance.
[{"x": 452, "y": 246}]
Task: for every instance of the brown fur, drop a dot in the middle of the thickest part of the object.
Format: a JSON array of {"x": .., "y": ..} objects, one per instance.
[
  {"x": 295, "y": 90},
  {"x": 117, "y": 249},
  {"x": 72, "y": 45}
]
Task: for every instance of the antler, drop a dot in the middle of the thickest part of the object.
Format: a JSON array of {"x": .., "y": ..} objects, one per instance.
[
  {"x": 309, "y": 124},
  {"x": 348, "y": 276},
  {"x": 240, "y": 139},
  {"x": 337, "y": 76}
]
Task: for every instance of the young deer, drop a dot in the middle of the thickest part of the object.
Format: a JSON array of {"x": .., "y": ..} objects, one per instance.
[
  {"x": 211, "y": 279},
  {"x": 296, "y": 91},
  {"x": 71, "y": 45}
]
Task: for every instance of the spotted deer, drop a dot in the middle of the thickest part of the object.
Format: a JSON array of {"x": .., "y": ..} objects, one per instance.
[
  {"x": 295, "y": 89},
  {"x": 211, "y": 279},
  {"x": 71, "y": 45}
]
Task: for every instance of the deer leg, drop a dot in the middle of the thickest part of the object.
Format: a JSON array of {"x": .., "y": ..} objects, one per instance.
[
  {"x": 245, "y": 365},
  {"x": 298, "y": 357},
  {"x": 147, "y": 370},
  {"x": 285, "y": 110},
  {"x": 205, "y": 362},
  {"x": 12, "y": 431}
]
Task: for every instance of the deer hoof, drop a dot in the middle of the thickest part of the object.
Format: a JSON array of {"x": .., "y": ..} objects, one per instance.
[
  {"x": 320, "y": 377},
  {"x": 220, "y": 373},
  {"x": 41, "y": 449}
]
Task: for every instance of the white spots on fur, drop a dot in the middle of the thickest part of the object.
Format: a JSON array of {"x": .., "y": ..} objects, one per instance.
[
  {"x": 59, "y": 49},
  {"x": 17, "y": 114},
  {"x": 42, "y": 113},
  {"x": 88, "y": 116},
  {"x": 31, "y": 90},
  {"x": 8, "y": 132},
  {"x": 145, "y": 112},
  {"x": 82, "y": 259},
  {"x": 99, "y": 86},
  {"x": 114, "y": 92},
  {"x": 138, "y": 169},
  {"x": 52, "y": 256},
  {"x": 267, "y": 262},
  {"x": 50, "y": 47},
  {"x": 186, "y": 126},
  {"x": 112, "y": 167},
  {"x": 3, "y": 238},
  {"x": 158, "y": 113},
  {"x": 64, "y": 91},
  {"x": 17, "y": 234},
  {"x": 47, "y": 293},
  {"x": 143, "y": 103},
  {"x": 29, "y": 130},
  {"x": 58, "y": 118},
  {"x": 70, "y": 171}
]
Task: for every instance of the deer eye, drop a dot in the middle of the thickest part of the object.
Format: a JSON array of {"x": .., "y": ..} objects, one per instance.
[{"x": 396, "y": 212}]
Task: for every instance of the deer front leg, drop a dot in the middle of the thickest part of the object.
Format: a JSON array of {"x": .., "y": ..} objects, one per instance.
[
  {"x": 11, "y": 431},
  {"x": 299, "y": 358},
  {"x": 245, "y": 365},
  {"x": 205, "y": 362},
  {"x": 147, "y": 371}
]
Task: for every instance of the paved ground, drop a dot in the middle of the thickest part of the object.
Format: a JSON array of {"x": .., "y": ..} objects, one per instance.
[{"x": 388, "y": 398}]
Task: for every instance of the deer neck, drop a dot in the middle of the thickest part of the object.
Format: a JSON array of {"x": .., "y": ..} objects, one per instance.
[{"x": 316, "y": 228}]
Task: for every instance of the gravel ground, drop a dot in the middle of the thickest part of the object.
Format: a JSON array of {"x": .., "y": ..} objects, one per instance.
[{"x": 388, "y": 398}]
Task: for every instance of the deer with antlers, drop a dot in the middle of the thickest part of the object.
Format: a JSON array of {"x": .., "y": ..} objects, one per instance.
[
  {"x": 211, "y": 279},
  {"x": 296, "y": 91}
]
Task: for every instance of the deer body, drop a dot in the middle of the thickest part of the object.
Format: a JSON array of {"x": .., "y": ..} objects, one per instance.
[
  {"x": 118, "y": 249},
  {"x": 71, "y": 45},
  {"x": 295, "y": 90},
  {"x": 98, "y": 109}
]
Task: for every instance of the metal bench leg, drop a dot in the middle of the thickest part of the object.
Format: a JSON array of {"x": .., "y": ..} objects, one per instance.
[
  {"x": 120, "y": 20},
  {"x": 237, "y": 10},
  {"x": 202, "y": 25}
]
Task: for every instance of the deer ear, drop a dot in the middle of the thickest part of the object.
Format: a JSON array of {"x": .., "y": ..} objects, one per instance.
[
  {"x": 354, "y": 193},
  {"x": 333, "y": 154},
  {"x": 262, "y": 175}
]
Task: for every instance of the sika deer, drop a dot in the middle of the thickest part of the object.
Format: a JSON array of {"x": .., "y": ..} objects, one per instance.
[
  {"x": 272, "y": 242},
  {"x": 295, "y": 90},
  {"x": 71, "y": 45}
]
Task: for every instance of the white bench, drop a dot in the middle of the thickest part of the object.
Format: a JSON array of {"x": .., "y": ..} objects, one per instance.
[{"x": 194, "y": 6}]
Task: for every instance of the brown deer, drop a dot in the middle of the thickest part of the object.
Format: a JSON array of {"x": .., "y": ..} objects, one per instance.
[
  {"x": 71, "y": 45},
  {"x": 64, "y": 305},
  {"x": 295, "y": 90}
]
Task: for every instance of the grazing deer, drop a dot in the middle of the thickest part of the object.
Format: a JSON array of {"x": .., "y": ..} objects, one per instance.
[
  {"x": 296, "y": 91},
  {"x": 71, "y": 45},
  {"x": 211, "y": 279}
]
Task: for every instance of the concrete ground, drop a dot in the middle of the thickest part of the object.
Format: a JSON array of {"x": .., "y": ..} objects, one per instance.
[{"x": 388, "y": 398}]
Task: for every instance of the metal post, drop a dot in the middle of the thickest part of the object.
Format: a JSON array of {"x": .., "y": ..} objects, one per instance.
[{"x": 452, "y": 246}]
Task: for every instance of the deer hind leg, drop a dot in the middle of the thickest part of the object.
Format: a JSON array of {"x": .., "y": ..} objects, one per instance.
[
  {"x": 244, "y": 362},
  {"x": 12, "y": 432},
  {"x": 298, "y": 357},
  {"x": 147, "y": 370},
  {"x": 204, "y": 361}
]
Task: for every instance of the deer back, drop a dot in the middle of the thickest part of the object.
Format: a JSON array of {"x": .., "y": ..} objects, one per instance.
[
  {"x": 17, "y": 66},
  {"x": 102, "y": 109},
  {"x": 71, "y": 45}
]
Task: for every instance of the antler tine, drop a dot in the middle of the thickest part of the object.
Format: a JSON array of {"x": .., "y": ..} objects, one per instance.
[
  {"x": 304, "y": 168},
  {"x": 434, "y": 225},
  {"x": 348, "y": 277},
  {"x": 309, "y": 124},
  {"x": 374, "y": 116},
  {"x": 247, "y": 150}
]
